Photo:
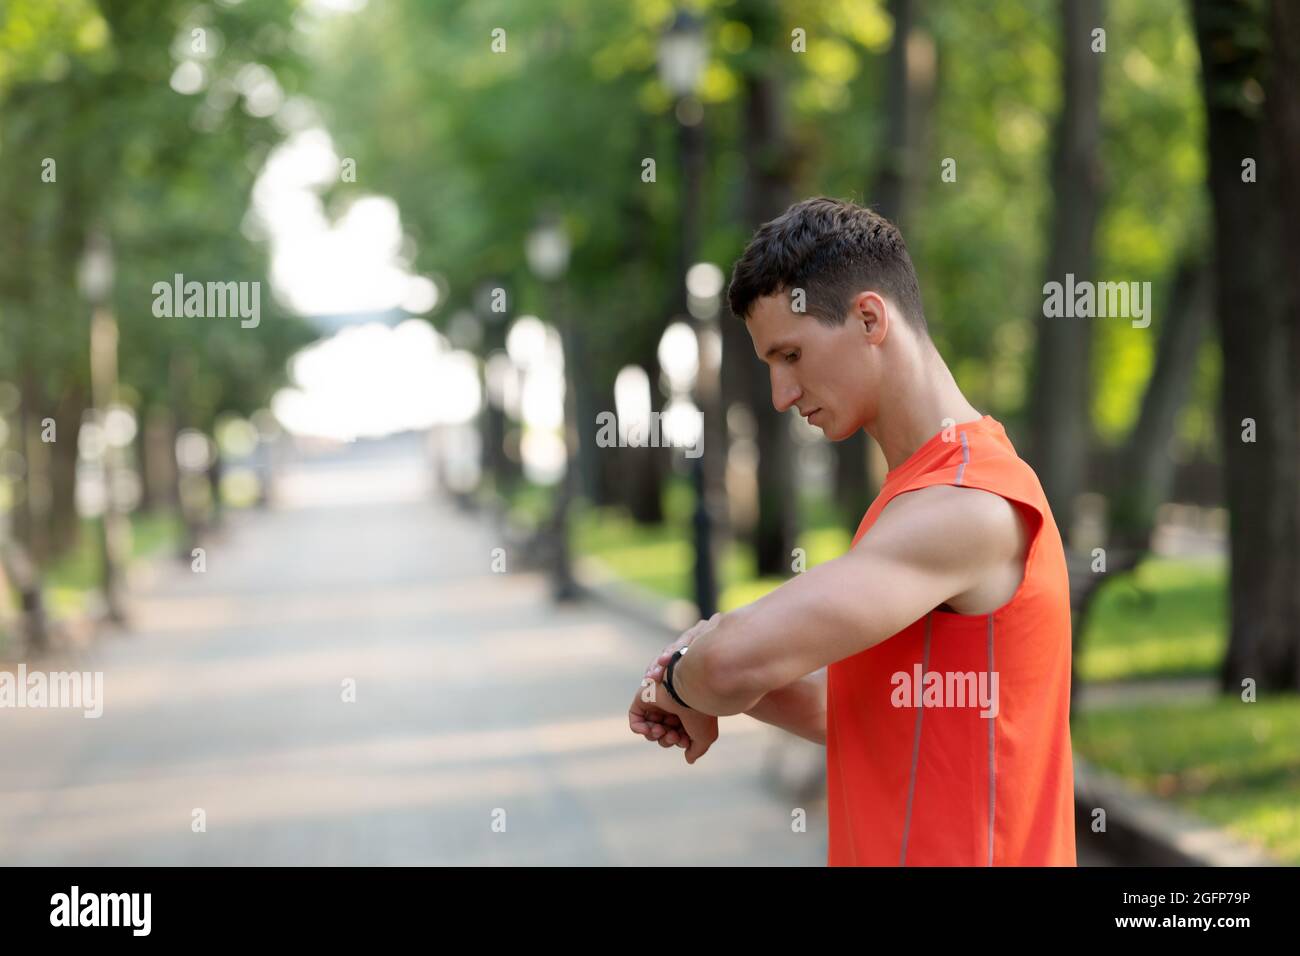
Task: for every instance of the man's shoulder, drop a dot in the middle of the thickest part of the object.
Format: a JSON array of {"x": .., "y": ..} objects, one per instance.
[{"x": 955, "y": 521}]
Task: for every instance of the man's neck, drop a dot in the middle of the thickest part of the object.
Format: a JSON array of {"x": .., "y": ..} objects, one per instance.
[{"x": 914, "y": 404}]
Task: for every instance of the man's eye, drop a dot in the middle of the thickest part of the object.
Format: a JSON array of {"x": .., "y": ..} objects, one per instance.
[{"x": 790, "y": 356}]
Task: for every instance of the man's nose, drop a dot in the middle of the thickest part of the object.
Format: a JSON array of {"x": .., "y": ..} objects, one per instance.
[{"x": 785, "y": 392}]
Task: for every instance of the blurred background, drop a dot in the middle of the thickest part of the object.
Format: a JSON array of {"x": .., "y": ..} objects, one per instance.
[{"x": 370, "y": 574}]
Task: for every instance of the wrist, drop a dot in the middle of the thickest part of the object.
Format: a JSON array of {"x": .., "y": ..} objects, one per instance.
[{"x": 668, "y": 676}]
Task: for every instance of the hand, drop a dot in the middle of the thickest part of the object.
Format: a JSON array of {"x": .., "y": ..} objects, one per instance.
[
  {"x": 701, "y": 732},
  {"x": 654, "y": 723},
  {"x": 652, "y": 709},
  {"x": 656, "y": 668}
]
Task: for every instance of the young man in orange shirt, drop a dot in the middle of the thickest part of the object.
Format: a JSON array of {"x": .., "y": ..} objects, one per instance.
[{"x": 933, "y": 658}]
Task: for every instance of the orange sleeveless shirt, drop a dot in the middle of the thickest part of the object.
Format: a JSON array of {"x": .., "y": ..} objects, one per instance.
[{"x": 915, "y": 776}]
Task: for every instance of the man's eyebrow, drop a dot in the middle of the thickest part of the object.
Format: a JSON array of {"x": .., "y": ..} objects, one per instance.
[{"x": 779, "y": 347}]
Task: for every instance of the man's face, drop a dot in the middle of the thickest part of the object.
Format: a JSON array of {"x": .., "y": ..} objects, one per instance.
[{"x": 830, "y": 375}]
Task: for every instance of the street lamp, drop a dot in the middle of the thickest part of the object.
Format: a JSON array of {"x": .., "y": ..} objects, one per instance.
[
  {"x": 683, "y": 55},
  {"x": 546, "y": 249}
]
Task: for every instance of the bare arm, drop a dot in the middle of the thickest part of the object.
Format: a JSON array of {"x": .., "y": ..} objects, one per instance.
[
  {"x": 927, "y": 547},
  {"x": 798, "y": 708}
]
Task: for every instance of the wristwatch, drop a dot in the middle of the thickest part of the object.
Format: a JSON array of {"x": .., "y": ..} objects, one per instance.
[{"x": 668, "y": 675}]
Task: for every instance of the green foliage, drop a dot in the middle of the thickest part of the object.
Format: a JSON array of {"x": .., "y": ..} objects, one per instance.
[
  {"x": 1227, "y": 761},
  {"x": 1155, "y": 212},
  {"x": 474, "y": 146},
  {"x": 1167, "y": 619},
  {"x": 166, "y": 176},
  {"x": 659, "y": 558}
]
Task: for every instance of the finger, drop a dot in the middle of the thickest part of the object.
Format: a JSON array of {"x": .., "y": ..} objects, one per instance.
[
  {"x": 667, "y": 653},
  {"x": 646, "y": 714},
  {"x": 697, "y": 749},
  {"x": 640, "y": 722}
]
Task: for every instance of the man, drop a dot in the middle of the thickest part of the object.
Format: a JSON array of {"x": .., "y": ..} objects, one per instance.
[{"x": 933, "y": 659}]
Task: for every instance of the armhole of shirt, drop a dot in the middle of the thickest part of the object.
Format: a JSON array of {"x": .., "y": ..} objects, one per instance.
[{"x": 1032, "y": 514}]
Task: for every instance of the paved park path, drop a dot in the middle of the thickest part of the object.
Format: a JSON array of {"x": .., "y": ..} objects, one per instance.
[{"x": 476, "y": 701}]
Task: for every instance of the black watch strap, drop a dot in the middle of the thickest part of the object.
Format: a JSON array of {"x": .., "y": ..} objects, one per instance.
[{"x": 668, "y": 675}]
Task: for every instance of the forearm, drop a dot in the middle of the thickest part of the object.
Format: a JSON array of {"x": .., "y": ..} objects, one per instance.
[{"x": 798, "y": 708}]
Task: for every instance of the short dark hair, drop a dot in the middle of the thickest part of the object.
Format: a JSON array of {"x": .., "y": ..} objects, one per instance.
[{"x": 831, "y": 249}]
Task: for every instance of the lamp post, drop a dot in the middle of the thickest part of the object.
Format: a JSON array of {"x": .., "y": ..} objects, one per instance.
[
  {"x": 683, "y": 55},
  {"x": 547, "y": 251},
  {"x": 95, "y": 279}
]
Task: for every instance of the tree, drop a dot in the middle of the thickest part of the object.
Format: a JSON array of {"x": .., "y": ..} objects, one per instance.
[
  {"x": 1059, "y": 402},
  {"x": 1250, "y": 108},
  {"x": 908, "y": 101}
]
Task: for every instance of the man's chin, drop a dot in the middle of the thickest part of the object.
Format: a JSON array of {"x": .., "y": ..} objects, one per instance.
[{"x": 840, "y": 436}]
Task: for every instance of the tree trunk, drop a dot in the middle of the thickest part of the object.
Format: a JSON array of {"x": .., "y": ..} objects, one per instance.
[
  {"x": 65, "y": 523},
  {"x": 19, "y": 572},
  {"x": 1143, "y": 477},
  {"x": 158, "y": 460},
  {"x": 1283, "y": 115},
  {"x": 643, "y": 469},
  {"x": 1059, "y": 403},
  {"x": 1260, "y": 474},
  {"x": 645, "y": 465},
  {"x": 768, "y": 179},
  {"x": 33, "y": 524},
  {"x": 909, "y": 100}
]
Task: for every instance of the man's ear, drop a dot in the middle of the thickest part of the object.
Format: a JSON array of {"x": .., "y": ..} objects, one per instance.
[{"x": 872, "y": 310}]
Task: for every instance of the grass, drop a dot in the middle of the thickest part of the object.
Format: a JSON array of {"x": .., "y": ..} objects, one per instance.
[
  {"x": 1168, "y": 619},
  {"x": 71, "y": 579},
  {"x": 660, "y": 558},
  {"x": 1226, "y": 761}
]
